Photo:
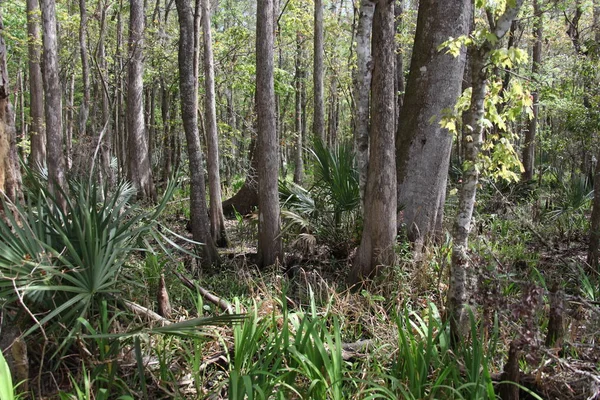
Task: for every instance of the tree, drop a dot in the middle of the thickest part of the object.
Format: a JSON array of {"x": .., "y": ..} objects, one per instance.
[
  {"x": 362, "y": 91},
  {"x": 319, "y": 103},
  {"x": 379, "y": 231},
  {"x": 189, "y": 111},
  {"x": 422, "y": 145},
  {"x": 139, "y": 168},
  {"x": 84, "y": 109},
  {"x": 460, "y": 290},
  {"x": 9, "y": 165},
  {"x": 529, "y": 145},
  {"x": 55, "y": 158},
  {"x": 298, "y": 111},
  {"x": 269, "y": 229},
  {"x": 217, "y": 221},
  {"x": 37, "y": 130}
]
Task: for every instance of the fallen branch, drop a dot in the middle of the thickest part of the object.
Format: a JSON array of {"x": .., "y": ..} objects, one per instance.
[
  {"x": 219, "y": 302},
  {"x": 145, "y": 312}
]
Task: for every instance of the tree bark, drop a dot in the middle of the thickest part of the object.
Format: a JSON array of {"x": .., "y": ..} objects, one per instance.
[
  {"x": 140, "y": 172},
  {"x": 189, "y": 112},
  {"x": 217, "y": 221},
  {"x": 461, "y": 289},
  {"x": 9, "y": 181},
  {"x": 362, "y": 90},
  {"x": 529, "y": 145},
  {"x": 269, "y": 239},
  {"x": 422, "y": 146},
  {"x": 319, "y": 104},
  {"x": 55, "y": 157},
  {"x": 379, "y": 232},
  {"x": 299, "y": 77},
  {"x": 37, "y": 129},
  {"x": 84, "y": 109}
]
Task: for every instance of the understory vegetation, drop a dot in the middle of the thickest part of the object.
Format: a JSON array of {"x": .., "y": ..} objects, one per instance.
[{"x": 84, "y": 283}]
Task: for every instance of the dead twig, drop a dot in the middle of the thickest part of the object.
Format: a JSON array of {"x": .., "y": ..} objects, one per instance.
[{"x": 216, "y": 300}]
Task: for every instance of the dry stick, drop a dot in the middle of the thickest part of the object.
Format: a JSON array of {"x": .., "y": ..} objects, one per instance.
[
  {"x": 222, "y": 304},
  {"x": 145, "y": 312},
  {"x": 564, "y": 363}
]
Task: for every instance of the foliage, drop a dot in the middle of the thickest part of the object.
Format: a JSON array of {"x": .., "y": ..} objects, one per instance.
[
  {"x": 329, "y": 209},
  {"x": 6, "y": 385},
  {"x": 66, "y": 262}
]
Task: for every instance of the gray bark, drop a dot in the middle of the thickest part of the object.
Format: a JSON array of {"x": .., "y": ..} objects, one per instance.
[
  {"x": 319, "y": 103},
  {"x": 299, "y": 76},
  {"x": 529, "y": 145},
  {"x": 379, "y": 231},
  {"x": 37, "y": 130},
  {"x": 422, "y": 146},
  {"x": 55, "y": 157},
  {"x": 84, "y": 109},
  {"x": 269, "y": 239},
  {"x": 189, "y": 112},
  {"x": 217, "y": 221},
  {"x": 462, "y": 274},
  {"x": 362, "y": 91},
  {"x": 140, "y": 172}
]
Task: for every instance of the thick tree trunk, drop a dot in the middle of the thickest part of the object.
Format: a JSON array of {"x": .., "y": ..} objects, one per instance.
[
  {"x": 422, "y": 146},
  {"x": 189, "y": 112},
  {"x": 269, "y": 239},
  {"x": 379, "y": 232},
  {"x": 217, "y": 221},
  {"x": 10, "y": 177},
  {"x": 140, "y": 172},
  {"x": 529, "y": 146},
  {"x": 362, "y": 91},
  {"x": 37, "y": 129},
  {"x": 55, "y": 158},
  {"x": 462, "y": 276},
  {"x": 319, "y": 103}
]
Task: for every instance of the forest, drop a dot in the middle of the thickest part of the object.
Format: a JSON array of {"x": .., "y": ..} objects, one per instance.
[{"x": 299, "y": 199}]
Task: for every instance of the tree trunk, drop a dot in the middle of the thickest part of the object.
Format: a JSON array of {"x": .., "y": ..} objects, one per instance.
[
  {"x": 106, "y": 135},
  {"x": 319, "y": 106},
  {"x": 362, "y": 90},
  {"x": 217, "y": 221},
  {"x": 84, "y": 109},
  {"x": 422, "y": 146},
  {"x": 9, "y": 167},
  {"x": 529, "y": 145},
  {"x": 379, "y": 232},
  {"x": 37, "y": 129},
  {"x": 299, "y": 76},
  {"x": 55, "y": 158},
  {"x": 189, "y": 113},
  {"x": 269, "y": 239},
  {"x": 462, "y": 276},
  {"x": 399, "y": 11},
  {"x": 140, "y": 172}
]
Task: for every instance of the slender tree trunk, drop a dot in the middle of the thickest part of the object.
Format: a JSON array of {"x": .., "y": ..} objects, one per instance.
[
  {"x": 399, "y": 11},
  {"x": 362, "y": 91},
  {"x": 461, "y": 289},
  {"x": 84, "y": 109},
  {"x": 422, "y": 146},
  {"x": 319, "y": 105},
  {"x": 217, "y": 221},
  {"x": 37, "y": 128},
  {"x": 594, "y": 242},
  {"x": 379, "y": 231},
  {"x": 140, "y": 172},
  {"x": 269, "y": 239},
  {"x": 529, "y": 145},
  {"x": 70, "y": 122},
  {"x": 299, "y": 76},
  {"x": 55, "y": 157},
  {"x": 107, "y": 133},
  {"x": 189, "y": 112}
]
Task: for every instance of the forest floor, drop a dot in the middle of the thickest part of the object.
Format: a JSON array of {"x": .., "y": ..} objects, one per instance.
[{"x": 520, "y": 294}]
